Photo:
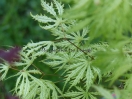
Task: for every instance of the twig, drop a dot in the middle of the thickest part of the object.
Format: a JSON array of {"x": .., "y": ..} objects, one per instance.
[{"x": 39, "y": 70}]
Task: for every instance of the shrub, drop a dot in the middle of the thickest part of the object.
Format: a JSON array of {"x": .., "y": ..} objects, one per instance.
[{"x": 92, "y": 50}]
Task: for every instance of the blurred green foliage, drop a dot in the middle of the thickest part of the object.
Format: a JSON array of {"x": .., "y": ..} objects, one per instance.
[{"x": 16, "y": 25}]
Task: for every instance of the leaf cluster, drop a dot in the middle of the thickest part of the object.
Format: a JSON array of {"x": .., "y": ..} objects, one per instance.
[{"x": 84, "y": 65}]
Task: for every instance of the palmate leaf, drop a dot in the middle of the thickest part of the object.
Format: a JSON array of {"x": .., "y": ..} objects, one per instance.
[
  {"x": 33, "y": 91},
  {"x": 22, "y": 85},
  {"x": 23, "y": 82},
  {"x": 43, "y": 89},
  {"x": 25, "y": 60},
  {"x": 38, "y": 49},
  {"x": 33, "y": 50},
  {"x": 71, "y": 41},
  {"x": 55, "y": 20},
  {"x": 80, "y": 94},
  {"x": 83, "y": 70},
  {"x": 62, "y": 58},
  {"x": 30, "y": 87},
  {"x": 3, "y": 70},
  {"x": 76, "y": 66},
  {"x": 78, "y": 37}
]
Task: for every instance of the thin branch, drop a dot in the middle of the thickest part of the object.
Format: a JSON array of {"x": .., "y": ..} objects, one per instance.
[
  {"x": 39, "y": 70},
  {"x": 15, "y": 69},
  {"x": 92, "y": 58},
  {"x": 59, "y": 81}
]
